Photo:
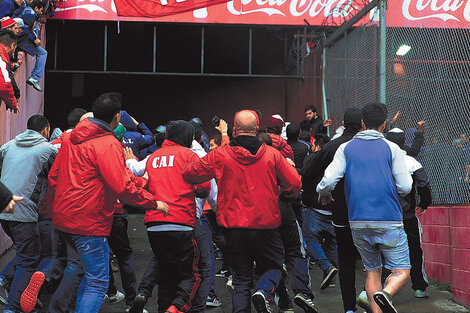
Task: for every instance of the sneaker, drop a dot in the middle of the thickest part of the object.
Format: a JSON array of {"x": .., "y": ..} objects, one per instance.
[
  {"x": 305, "y": 302},
  {"x": 384, "y": 301},
  {"x": 421, "y": 294},
  {"x": 35, "y": 83},
  {"x": 328, "y": 276},
  {"x": 349, "y": 311},
  {"x": 229, "y": 284},
  {"x": 29, "y": 297},
  {"x": 363, "y": 302},
  {"x": 213, "y": 301},
  {"x": 223, "y": 273},
  {"x": 172, "y": 309},
  {"x": 143, "y": 310},
  {"x": 138, "y": 304},
  {"x": 119, "y": 296},
  {"x": 3, "y": 294},
  {"x": 260, "y": 302}
]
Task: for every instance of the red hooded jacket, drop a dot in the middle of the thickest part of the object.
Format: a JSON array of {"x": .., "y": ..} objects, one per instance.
[
  {"x": 87, "y": 177},
  {"x": 281, "y": 145},
  {"x": 164, "y": 168},
  {"x": 248, "y": 184},
  {"x": 6, "y": 89}
]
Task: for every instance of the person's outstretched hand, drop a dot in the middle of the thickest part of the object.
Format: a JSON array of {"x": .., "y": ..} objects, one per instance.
[{"x": 10, "y": 208}]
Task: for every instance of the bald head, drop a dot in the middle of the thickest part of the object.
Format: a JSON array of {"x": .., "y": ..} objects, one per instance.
[{"x": 245, "y": 123}]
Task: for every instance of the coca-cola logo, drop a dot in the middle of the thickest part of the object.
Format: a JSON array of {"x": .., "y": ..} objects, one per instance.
[
  {"x": 296, "y": 8},
  {"x": 416, "y": 10},
  {"x": 89, "y": 5}
]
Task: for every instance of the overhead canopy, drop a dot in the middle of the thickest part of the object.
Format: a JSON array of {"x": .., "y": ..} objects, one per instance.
[{"x": 403, "y": 13}]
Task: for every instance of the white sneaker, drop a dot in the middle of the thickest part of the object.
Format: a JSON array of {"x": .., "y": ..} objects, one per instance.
[
  {"x": 229, "y": 285},
  {"x": 119, "y": 296},
  {"x": 143, "y": 310},
  {"x": 213, "y": 301}
]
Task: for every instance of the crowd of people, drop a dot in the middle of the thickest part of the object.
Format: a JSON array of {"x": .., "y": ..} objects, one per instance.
[
  {"x": 273, "y": 197},
  {"x": 19, "y": 34}
]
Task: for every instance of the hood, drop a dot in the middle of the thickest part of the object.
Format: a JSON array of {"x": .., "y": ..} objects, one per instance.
[
  {"x": 29, "y": 138},
  {"x": 278, "y": 142},
  {"x": 180, "y": 132},
  {"x": 250, "y": 143},
  {"x": 198, "y": 149},
  {"x": 396, "y": 135},
  {"x": 127, "y": 121},
  {"x": 88, "y": 129},
  {"x": 369, "y": 135},
  {"x": 246, "y": 149},
  {"x": 55, "y": 134}
]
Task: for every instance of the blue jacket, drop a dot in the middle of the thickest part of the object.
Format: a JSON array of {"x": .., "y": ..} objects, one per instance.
[
  {"x": 9, "y": 8},
  {"x": 375, "y": 174},
  {"x": 30, "y": 31},
  {"x": 137, "y": 137}
]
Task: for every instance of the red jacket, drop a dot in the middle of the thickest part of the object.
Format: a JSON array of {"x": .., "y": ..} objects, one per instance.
[
  {"x": 164, "y": 168},
  {"x": 281, "y": 145},
  {"x": 248, "y": 184},
  {"x": 87, "y": 177},
  {"x": 6, "y": 89}
]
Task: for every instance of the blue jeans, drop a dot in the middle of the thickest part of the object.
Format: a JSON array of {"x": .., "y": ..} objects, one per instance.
[
  {"x": 45, "y": 236},
  {"x": 41, "y": 57},
  {"x": 319, "y": 234},
  {"x": 207, "y": 223},
  {"x": 94, "y": 257},
  {"x": 25, "y": 236},
  {"x": 65, "y": 261}
]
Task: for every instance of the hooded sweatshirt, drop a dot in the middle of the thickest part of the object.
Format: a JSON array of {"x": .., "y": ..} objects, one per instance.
[
  {"x": 420, "y": 179},
  {"x": 280, "y": 144},
  {"x": 137, "y": 137},
  {"x": 250, "y": 176},
  {"x": 375, "y": 175},
  {"x": 33, "y": 155},
  {"x": 88, "y": 177}
]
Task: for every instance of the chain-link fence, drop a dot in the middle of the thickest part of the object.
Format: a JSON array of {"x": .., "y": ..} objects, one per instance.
[{"x": 430, "y": 82}]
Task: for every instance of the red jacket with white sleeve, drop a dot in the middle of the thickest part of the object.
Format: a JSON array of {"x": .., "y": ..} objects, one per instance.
[
  {"x": 6, "y": 89},
  {"x": 164, "y": 168}
]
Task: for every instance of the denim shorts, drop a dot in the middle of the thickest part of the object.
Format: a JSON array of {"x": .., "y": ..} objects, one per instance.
[{"x": 391, "y": 243}]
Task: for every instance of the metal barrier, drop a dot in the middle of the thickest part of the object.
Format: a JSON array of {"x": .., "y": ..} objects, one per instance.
[{"x": 422, "y": 72}]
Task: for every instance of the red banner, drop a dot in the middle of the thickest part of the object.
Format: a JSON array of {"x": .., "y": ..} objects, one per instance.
[
  {"x": 400, "y": 13},
  {"x": 159, "y": 8}
]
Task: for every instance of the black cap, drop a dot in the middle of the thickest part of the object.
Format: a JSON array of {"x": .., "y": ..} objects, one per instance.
[{"x": 352, "y": 118}]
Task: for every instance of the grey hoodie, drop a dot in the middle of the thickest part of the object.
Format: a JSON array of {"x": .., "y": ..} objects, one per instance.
[{"x": 25, "y": 163}]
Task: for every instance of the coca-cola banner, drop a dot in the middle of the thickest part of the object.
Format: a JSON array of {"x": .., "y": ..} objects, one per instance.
[
  {"x": 400, "y": 13},
  {"x": 159, "y": 8}
]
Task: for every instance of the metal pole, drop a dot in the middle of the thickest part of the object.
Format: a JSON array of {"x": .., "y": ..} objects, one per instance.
[
  {"x": 250, "y": 51},
  {"x": 383, "y": 51},
  {"x": 298, "y": 54},
  {"x": 55, "y": 46},
  {"x": 105, "y": 66},
  {"x": 154, "y": 49},
  {"x": 323, "y": 85},
  {"x": 202, "y": 50}
]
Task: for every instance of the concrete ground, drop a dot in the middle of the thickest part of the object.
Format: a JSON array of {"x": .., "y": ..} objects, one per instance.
[{"x": 328, "y": 301}]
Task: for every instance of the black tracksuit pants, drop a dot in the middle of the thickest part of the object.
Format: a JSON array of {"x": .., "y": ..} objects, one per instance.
[
  {"x": 245, "y": 246},
  {"x": 177, "y": 253},
  {"x": 347, "y": 256},
  {"x": 418, "y": 275}
]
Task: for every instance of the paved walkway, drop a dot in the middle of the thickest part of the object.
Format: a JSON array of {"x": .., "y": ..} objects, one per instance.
[{"x": 328, "y": 301}]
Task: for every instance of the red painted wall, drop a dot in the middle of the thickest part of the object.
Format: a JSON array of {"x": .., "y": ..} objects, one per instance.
[{"x": 446, "y": 245}]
